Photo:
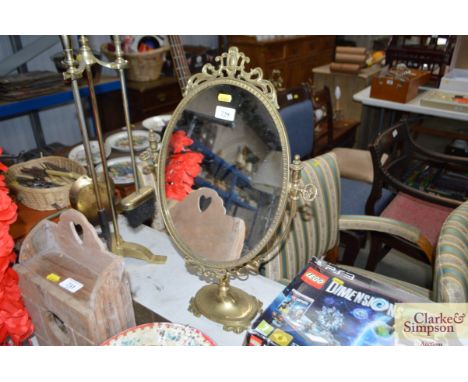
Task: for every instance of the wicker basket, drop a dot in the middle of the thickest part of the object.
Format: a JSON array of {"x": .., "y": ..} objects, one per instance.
[
  {"x": 44, "y": 199},
  {"x": 144, "y": 66}
]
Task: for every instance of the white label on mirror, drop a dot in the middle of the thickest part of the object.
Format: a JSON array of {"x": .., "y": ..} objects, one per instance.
[{"x": 226, "y": 113}]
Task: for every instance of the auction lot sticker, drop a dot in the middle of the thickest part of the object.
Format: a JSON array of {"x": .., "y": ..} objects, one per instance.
[{"x": 431, "y": 324}]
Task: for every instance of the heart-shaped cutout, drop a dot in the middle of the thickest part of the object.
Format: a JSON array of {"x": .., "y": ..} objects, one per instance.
[{"x": 204, "y": 202}]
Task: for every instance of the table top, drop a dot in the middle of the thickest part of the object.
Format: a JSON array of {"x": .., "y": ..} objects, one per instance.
[
  {"x": 413, "y": 106},
  {"x": 167, "y": 289}
]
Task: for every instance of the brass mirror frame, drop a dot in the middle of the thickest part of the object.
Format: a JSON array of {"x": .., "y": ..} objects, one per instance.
[
  {"x": 268, "y": 102},
  {"x": 230, "y": 72}
]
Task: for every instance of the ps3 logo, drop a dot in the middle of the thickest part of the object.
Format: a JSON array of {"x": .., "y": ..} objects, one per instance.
[{"x": 334, "y": 270}]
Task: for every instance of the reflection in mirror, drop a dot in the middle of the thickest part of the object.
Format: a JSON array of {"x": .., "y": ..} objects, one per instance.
[{"x": 223, "y": 173}]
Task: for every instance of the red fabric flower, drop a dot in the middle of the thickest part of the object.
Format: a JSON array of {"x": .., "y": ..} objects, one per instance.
[
  {"x": 15, "y": 323},
  {"x": 183, "y": 167},
  {"x": 7, "y": 209},
  {"x": 179, "y": 141},
  {"x": 3, "y": 168},
  {"x": 3, "y": 185}
]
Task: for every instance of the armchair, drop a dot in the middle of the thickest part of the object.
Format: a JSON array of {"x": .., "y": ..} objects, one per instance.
[
  {"x": 316, "y": 228},
  {"x": 450, "y": 282},
  {"x": 416, "y": 175}
]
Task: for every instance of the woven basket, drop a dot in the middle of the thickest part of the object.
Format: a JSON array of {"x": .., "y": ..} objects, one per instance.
[
  {"x": 144, "y": 66},
  {"x": 44, "y": 199}
]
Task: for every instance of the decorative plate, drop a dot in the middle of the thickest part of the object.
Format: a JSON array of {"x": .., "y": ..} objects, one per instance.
[
  {"x": 120, "y": 170},
  {"x": 119, "y": 141},
  {"x": 160, "y": 334},
  {"x": 77, "y": 153},
  {"x": 157, "y": 122}
]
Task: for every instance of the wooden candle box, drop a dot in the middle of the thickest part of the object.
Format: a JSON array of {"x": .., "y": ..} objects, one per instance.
[
  {"x": 389, "y": 88},
  {"x": 76, "y": 292}
]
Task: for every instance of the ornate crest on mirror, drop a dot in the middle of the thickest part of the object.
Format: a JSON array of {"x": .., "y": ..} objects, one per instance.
[{"x": 224, "y": 183}]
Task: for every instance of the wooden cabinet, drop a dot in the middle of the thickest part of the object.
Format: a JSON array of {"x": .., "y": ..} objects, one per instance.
[
  {"x": 295, "y": 56},
  {"x": 145, "y": 100}
]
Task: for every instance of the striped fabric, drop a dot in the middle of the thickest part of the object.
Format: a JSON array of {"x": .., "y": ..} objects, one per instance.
[
  {"x": 451, "y": 267},
  {"x": 379, "y": 224},
  {"x": 314, "y": 230},
  {"x": 389, "y": 226}
]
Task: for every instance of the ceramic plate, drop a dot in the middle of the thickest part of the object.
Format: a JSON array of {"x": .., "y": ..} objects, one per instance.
[
  {"x": 119, "y": 141},
  {"x": 120, "y": 170},
  {"x": 160, "y": 334},
  {"x": 157, "y": 123},
  {"x": 77, "y": 153}
]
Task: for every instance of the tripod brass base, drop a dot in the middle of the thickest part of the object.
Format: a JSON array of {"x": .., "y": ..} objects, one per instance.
[
  {"x": 137, "y": 251},
  {"x": 229, "y": 306}
]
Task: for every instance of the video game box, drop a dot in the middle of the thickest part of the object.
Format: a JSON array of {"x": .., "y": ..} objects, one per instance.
[{"x": 326, "y": 305}]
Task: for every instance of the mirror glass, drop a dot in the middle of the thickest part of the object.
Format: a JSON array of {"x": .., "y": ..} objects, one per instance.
[{"x": 224, "y": 172}]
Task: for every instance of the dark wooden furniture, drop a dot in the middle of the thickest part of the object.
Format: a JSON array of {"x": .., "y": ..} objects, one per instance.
[
  {"x": 294, "y": 95},
  {"x": 294, "y": 56},
  {"x": 432, "y": 53},
  {"x": 331, "y": 132},
  {"x": 402, "y": 151},
  {"x": 145, "y": 100},
  {"x": 394, "y": 153}
]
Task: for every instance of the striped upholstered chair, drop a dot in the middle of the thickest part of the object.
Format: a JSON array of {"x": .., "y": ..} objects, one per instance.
[
  {"x": 315, "y": 229},
  {"x": 450, "y": 282},
  {"x": 451, "y": 264}
]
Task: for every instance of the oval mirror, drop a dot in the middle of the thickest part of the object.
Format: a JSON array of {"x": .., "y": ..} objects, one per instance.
[{"x": 223, "y": 180}]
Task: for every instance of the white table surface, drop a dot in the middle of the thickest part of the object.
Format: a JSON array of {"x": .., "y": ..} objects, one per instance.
[
  {"x": 167, "y": 289},
  {"x": 413, "y": 106}
]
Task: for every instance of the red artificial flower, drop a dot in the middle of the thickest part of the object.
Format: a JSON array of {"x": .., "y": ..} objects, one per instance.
[
  {"x": 6, "y": 246},
  {"x": 15, "y": 323},
  {"x": 3, "y": 185},
  {"x": 179, "y": 176},
  {"x": 3, "y": 168},
  {"x": 177, "y": 191},
  {"x": 7, "y": 208},
  {"x": 179, "y": 141},
  {"x": 190, "y": 161}
]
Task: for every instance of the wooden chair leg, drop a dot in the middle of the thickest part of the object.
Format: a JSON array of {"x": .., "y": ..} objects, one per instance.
[
  {"x": 332, "y": 255},
  {"x": 352, "y": 244},
  {"x": 376, "y": 252}
]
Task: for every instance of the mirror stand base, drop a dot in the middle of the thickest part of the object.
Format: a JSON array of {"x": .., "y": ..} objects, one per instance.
[
  {"x": 137, "y": 251},
  {"x": 233, "y": 308}
]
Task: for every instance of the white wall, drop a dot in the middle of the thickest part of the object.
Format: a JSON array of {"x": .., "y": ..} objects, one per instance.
[{"x": 60, "y": 123}]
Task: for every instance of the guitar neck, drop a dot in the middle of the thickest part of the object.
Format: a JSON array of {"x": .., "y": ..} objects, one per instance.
[{"x": 181, "y": 68}]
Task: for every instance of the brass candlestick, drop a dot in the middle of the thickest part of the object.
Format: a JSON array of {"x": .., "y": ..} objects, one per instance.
[{"x": 118, "y": 245}]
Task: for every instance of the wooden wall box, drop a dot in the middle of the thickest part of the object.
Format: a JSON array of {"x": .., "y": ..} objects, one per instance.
[
  {"x": 54, "y": 253},
  {"x": 388, "y": 88}
]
